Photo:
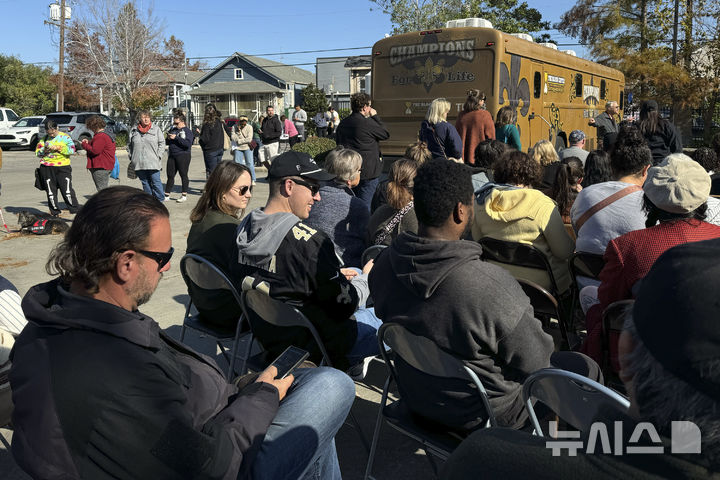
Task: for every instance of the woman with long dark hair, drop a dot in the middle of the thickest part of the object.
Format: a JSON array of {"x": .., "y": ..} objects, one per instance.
[
  {"x": 662, "y": 136},
  {"x": 214, "y": 221},
  {"x": 505, "y": 129},
  {"x": 474, "y": 124},
  {"x": 212, "y": 138},
  {"x": 597, "y": 168},
  {"x": 567, "y": 185}
]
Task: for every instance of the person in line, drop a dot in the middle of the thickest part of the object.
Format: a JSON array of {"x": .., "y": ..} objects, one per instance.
[
  {"x": 576, "y": 148},
  {"x": 289, "y": 129},
  {"x": 119, "y": 398},
  {"x": 669, "y": 362},
  {"x": 597, "y": 168},
  {"x": 474, "y": 124},
  {"x": 505, "y": 129},
  {"x": 298, "y": 264},
  {"x": 54, "y": 151},
  {"x": 340, "y": 214},
  {"x": 544, "y": 153},
  {"x": 100, "y": 152},
  {"x": 440, "y": 136},
  {"x": 333, "y": 120},
  {"x": 362, "y": 131},
  {"x": 212, "y": 138},
  {"x": 398, "y": 214},
  {"x": 675, "y": 195},
  {"x": 179, "y": 140},
  {"x": 271, "y": 129},
  {"x": 257, "y": 134},
  {"x": 605, "y": 124},
  {"x": 417, "y": 152},
  {"x": 512, "y": 210},
  {"x": 299, "y": 117},
  {"x": 661, "y": 135},
  {"x": 242, "y": 137},
  {"x": 215, "y": 219},
  {"x": 321, "y": 124},
  {"x": 436, "y": 285},
  {"x": 146, "y": 147}
]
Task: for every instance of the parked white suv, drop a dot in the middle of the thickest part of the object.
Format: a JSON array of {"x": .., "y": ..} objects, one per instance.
[
  {"x": 73, "y": 123},
  {"x": 7, "y": 117},
  {"x": 23, "y": 133}
]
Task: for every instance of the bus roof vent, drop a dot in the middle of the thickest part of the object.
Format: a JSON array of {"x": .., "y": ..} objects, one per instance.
[
  {"x": 570, "y": 52},
  {"x": 523, "y": 36},
  {"x": 454, "y": 23},
  {"x": 477, "y": 22},
  {"x": 549, "y": 45}
]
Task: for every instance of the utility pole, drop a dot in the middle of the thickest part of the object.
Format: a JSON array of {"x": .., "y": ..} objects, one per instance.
[
  {"x": 58, "y": 20},
  {"x": 675, "y": 32}
]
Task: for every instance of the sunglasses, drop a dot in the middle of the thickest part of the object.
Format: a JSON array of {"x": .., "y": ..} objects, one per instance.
[
  {"x": 162, "y": 258},
  {"x": 242, "y": 190},
  {"x": 314, "y": 188}
]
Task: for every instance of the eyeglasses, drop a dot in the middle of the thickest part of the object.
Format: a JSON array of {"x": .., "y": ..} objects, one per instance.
[
  {"x": 162, "y": 258},
  {"x": 314, "y": 188},
  {"x": 242, "y": 190}
]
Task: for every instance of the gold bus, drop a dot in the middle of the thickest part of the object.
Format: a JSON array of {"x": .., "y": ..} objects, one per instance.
[{"x": 553, "y": 92}]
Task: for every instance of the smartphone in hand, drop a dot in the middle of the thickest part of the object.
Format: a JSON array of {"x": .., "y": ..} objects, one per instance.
[{"x": 289, "y": 360}]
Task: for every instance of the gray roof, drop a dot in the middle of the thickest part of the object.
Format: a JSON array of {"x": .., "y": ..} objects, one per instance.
[
  {"x": 221, "y": 88},
  {"x": 360, "y": 61},
  {"x": 286, "y": 73},
  {"x": 166, "y": 77}
]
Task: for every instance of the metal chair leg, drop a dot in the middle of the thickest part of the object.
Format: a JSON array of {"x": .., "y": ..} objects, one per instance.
[{"x": 376, "y": 432}]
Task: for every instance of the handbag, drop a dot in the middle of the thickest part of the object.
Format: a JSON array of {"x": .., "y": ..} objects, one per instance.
[
  {"x": 226, "y": 139},
  {"x": 253, "y": 145},
  {"x": 131, "y": 171},
  {"x": 38, "y": 180},
  {"x": 115, "y": 172}
]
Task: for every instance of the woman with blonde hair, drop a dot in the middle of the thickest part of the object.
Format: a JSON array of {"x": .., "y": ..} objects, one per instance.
[
  {"x": 212, "y": 236},
  {"x": 441, "y": 137},
  {"x": 474, "y": 124},
  {"x": 398, "y": 215},
  {"x": 545, "y": 155}
]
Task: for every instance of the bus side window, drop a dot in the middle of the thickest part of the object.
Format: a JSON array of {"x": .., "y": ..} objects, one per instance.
[
  {"x": 603, "y": 89},
  {"x": 578, "y": 85},
  {"x": 537, "y": 85}
]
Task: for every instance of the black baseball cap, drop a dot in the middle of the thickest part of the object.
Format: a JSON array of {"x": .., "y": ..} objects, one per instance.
[{"x": 297, "y": 164}]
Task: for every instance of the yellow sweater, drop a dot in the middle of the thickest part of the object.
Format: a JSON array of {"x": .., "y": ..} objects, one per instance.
[{"x": 527, "y": 216}]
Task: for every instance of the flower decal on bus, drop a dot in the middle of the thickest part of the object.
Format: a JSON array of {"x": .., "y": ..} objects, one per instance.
[{"x": 517, "y": 88}]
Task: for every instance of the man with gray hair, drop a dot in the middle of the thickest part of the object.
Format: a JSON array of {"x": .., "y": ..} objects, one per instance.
[
  {"x": 670, "y": 358},
  {"x": 605, "y": 122},
  {"x": 576, "y": 148}
]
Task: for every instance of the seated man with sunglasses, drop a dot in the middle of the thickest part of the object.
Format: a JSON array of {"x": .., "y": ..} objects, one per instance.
[
  {"x": 101, "y": 392},
  {"x": 299, "y": 265}
]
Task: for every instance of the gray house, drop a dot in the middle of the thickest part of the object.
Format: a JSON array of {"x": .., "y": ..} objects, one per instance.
[
  {"x": 340, "y": 77},
  {"x": 245, "y": 85}
]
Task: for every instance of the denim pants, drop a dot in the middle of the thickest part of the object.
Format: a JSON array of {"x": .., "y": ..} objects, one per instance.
[
  {"x": 366, "y": 343},
  {"x": 212, "y": 158},
  {"x": 300, "y": 442},
  {"x": 366, "y": 189},
  {"x": 151, "y": 183},
  {"x": 245, "y": 157}
]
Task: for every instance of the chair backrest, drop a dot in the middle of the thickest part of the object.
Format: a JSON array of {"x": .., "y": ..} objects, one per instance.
[
  {"x": 543, "y": 302},
  {"x": 574, "y": 398},
  {"x": 518, "y": 254},
  {"x": 585, "y": 264},
  {"x": 371, "y": 253},
  {"x": 204, "y": 274},
  {"x": 613, "y": 319},
  {"x": 280, "y": 314},
  {"x": 423, "y": 354}
]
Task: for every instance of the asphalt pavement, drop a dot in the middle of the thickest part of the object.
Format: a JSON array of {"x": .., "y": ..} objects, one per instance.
[{"x": 23, "y": 258}]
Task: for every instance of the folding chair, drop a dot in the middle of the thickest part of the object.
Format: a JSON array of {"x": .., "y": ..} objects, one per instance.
[
  {"x": 371, "y": 253},
  {"x": 613, "y": 319},
  {"x": 202, "y": 273},
  {"x": 586, "y": 265},
  {"x": 282, "y": 314},
  {"x": 524, "y": 255},
  {"x": 574, "y": 398},
  {"x": 545, "y": 306},
  {"x": 424, "y": 355}
]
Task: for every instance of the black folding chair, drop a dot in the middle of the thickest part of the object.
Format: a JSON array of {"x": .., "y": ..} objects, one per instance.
[
  {"x": 613, "y": 319},
  {"x": 371, "y": 253},
  {"x": 582, "y": 264},
  {"x": 546, "y": 307},
  {"x": 424, "y": 355}
]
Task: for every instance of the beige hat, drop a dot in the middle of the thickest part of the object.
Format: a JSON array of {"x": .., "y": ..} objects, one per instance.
[{"x": 678, "y": 184}]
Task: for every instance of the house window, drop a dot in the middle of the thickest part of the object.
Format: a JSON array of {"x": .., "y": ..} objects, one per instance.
[
  {"x": 238, "y": 74},
  {"x": 362, "y": 84}
]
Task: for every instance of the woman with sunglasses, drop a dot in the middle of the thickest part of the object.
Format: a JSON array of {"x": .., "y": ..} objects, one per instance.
[{"x": 214, "y": 221}]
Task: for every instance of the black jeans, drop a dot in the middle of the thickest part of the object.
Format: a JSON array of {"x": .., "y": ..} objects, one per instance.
[
  {"x": 178, "y": 164},
  {"x": 58, "y": 177}
]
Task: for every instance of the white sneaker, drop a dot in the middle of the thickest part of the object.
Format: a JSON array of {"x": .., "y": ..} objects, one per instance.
[
  {"x": 358, "y": 371},
  {"x": 182, "y": 198}
]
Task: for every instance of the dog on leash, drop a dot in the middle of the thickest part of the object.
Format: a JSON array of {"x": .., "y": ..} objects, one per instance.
[{"x": 41, "y": 224}]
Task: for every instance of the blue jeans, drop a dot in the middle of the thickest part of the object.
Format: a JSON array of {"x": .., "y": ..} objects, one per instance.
[
  {"x": 211, "y": 158},
  {"x": 245, "y": 157},
  {"x": 366, "y": 343},
  {"x": 151, "y": 183},
  {"x": 366, "y": 189},
  {"x": 300, "y": 442}
]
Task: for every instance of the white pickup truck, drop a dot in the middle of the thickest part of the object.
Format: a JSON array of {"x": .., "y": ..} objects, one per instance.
[{"x": 7, "y": 118}]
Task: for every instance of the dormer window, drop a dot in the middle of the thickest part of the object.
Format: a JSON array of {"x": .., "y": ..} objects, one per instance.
[{"x": 238, "y": 74}]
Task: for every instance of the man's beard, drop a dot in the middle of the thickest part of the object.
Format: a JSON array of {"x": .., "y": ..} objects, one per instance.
[{"x": 143, "y": 290}]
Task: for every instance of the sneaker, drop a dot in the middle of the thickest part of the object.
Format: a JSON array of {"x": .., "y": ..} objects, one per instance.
[
  {"x": 183, "y": 198},
  {"x": 253, "y": 182},
  {"x": 358, "y": 371}
]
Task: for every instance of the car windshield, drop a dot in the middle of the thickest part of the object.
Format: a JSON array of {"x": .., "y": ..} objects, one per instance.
[{"x": 28, "y": 122}]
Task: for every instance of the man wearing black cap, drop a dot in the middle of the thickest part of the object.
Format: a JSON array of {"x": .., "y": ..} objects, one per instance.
[
  {"x": 670, "y": 358},
  {"x": 299, "y": 265}
]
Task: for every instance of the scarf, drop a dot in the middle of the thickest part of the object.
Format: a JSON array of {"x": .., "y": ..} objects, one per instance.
[{"x": 142, "y": 129}]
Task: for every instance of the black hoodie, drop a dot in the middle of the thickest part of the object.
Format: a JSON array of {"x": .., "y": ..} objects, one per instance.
[
  {"x": 472, "y": 309},
  {"x": 100, "y": 392}
]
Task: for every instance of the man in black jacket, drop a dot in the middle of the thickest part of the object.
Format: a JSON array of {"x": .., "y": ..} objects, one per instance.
[
  {"x": 101, "y": 392},
  {"x": 271, "y": 131},
  {"x": 362, "y": 131}
]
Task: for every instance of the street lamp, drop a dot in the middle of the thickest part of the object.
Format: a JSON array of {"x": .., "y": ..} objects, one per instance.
[{"x": 58, "y": 14}]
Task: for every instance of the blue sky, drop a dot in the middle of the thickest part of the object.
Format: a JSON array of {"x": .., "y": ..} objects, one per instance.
[{"x": 214, "y": 28}]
